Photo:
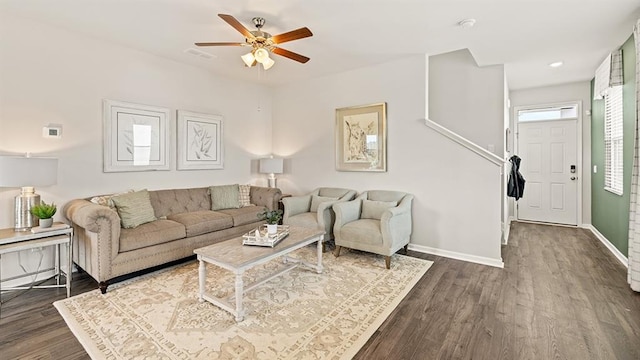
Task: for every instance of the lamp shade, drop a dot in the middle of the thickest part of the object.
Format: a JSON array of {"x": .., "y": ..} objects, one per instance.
[
  {"x": 271, "y": 165},
  {"x": 248, "y": 59},
  {"x": 18, "y": 171},
  {"x": 267, "y": 64},
  {"x": 261, "y": 55}
]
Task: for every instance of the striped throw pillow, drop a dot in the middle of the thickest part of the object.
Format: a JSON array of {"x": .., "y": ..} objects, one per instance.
[{"x": 245, "y": 195}]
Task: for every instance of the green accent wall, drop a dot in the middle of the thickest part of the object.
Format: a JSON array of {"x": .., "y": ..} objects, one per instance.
[{"x": 610, "y": 212}]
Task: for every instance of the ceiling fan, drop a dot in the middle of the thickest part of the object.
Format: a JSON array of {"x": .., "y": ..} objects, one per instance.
[{"x": 262, "y": 43}]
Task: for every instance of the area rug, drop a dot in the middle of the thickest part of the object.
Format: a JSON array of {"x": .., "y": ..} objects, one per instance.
[{"x": 298, "y": 315}]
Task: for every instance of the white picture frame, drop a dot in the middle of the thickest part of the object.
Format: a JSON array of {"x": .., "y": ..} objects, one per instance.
[
  {"x": 136, "y": 137},
  {"x": 361, "y": 138},
  {"x": 199, "y": 141}
]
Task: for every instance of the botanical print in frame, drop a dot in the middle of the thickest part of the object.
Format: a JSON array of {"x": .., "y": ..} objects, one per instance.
[
  {"x": 136, "y": 137},
  {"x": 199, "y": 141},
  {"x": 361, "y": 138}
]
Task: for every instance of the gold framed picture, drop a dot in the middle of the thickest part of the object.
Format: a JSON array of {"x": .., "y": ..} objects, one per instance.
[{"x": 361, "y": 138}]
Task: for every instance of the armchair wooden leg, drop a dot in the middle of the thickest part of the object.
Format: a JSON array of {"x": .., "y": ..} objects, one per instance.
[
  {"x": 406, "y": 248},
  {"x": 336, "y": 252},
  {"x": 387, "y": 261}
]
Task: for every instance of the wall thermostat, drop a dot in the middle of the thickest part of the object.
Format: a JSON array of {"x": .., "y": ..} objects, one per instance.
[{"x": 52, "y": 131}]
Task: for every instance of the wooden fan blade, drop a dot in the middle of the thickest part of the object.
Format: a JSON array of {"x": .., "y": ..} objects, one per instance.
[
  {"x": 236, "y": 25},
  {"x": 292, "y": 35},
  {"x": 220, "y": 44},
  {"x": 290, "y": 54}
]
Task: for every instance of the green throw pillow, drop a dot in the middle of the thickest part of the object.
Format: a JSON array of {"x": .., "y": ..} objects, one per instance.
[
  {"x": 317, "y": 200},
  {"x": 225, "y": 197},
  {"x": 134, "y": 208},
  {"x": 374, "y": 209}
]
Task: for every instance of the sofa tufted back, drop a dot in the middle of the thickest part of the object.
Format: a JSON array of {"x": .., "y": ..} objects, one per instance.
[{"x": 176, "y": 201}]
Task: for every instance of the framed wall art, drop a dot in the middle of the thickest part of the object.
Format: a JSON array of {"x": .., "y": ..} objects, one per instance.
[
  {"x": 199, "y": 141},
  {"x": 136, "y": 137},
  {"x": 361, "y": 138}
]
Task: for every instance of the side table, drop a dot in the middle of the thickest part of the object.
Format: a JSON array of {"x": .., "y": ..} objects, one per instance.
[{"x": 13, "y": 241}]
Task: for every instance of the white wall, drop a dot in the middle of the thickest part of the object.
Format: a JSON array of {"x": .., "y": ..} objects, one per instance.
[
  {"x": 457, "y": 193},
  {"x": 579, "y": 91},
  {"x": 468, "y": 99},
  {"x": 50, "y": 75}
]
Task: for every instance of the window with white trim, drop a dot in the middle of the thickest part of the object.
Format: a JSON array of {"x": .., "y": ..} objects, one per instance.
[{"x": 613, "y": 120}]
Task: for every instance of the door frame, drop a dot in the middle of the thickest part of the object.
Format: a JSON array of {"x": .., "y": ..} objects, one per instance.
[{"x": 579, "y": 149}]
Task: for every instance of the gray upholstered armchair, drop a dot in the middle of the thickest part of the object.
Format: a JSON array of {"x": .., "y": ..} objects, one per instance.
[
  {"x": 314, "y": 210},
  {"x": 377, "y": 221}
]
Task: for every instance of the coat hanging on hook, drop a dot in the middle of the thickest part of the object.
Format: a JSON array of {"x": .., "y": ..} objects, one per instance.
[{"x": 515, "y": 185}]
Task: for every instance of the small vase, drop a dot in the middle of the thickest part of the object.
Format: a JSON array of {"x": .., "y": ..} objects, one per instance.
[
  {"x": 272, "y": 229},
  {"x": 46, "y": 223}
]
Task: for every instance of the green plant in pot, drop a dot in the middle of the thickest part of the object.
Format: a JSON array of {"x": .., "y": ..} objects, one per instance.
[
  {"x": 44, "y": 212},
  {"x": 272, "y": 217}
]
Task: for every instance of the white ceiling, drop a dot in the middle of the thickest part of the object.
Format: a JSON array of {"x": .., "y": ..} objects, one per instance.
[{"x": 525, "y": 35}]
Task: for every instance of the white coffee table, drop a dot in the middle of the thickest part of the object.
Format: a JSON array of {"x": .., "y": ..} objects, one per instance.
[{"x": 237, "y": 258}]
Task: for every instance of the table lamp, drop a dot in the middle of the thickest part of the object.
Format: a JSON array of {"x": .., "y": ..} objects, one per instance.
[
  {"x": 27, "y": 172},
  {"x": 271, "y": 166}
]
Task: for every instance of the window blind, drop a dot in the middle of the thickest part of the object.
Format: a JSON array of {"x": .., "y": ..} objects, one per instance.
[
  {"x": 608, "y": 74},
  {"x": 613, "y": 136}
]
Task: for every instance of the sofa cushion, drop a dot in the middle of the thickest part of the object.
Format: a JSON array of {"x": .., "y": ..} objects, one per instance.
[
  {"x": 244, "y": 215},
  {"x": 245, "y": 195},
  {"x": 317, "y": 200},
  {"x": 225, "y": 197},
  {"x": 151, "y": 233},
  {"x": 202, "y": 222},
  {"x": 177, "y": 201},
  {"x": 375, "y": 209},
  {"x": 134, "y": 209}
]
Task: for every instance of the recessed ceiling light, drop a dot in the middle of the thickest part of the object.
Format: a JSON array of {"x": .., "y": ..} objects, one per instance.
[
  {"x": 556, "y": 64},
  {"x": 467, "y": 23}
]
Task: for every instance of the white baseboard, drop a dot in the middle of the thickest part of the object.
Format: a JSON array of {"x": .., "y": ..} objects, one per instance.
[
  {"x": 623, "y": 259},
  {"x": 458, "y": 256}
]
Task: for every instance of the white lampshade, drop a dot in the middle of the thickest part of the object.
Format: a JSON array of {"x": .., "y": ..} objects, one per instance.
[
  {"x": 261, "y": 55},
  {"x": 267, "y": 64},
  {"x": 248, "y": 59},
  {"x": 28, "y": 171},
  {"x": 271, "y": 165}
]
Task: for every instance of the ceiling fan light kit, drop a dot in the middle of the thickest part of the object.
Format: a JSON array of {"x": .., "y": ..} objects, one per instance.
[{"x": 262, "y": 43}]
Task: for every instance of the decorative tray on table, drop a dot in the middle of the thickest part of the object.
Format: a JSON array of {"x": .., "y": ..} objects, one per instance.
[{"x": 259, "y": 236}]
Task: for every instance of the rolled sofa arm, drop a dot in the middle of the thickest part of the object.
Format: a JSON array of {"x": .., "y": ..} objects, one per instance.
[
  {"x": 267, "y": 197},
  {"x": 96, "y": 237},
  {"x": 87, "y": 215}
]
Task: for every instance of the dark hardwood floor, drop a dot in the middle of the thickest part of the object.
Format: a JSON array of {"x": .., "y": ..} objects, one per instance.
[{"x": 561, "y": 295}]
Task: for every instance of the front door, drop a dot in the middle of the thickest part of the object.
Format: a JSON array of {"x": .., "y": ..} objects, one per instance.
[{"x": 549, "y": 166}]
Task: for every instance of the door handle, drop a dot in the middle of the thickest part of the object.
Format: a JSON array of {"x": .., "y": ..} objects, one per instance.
[{"x": 574, "y": 177}]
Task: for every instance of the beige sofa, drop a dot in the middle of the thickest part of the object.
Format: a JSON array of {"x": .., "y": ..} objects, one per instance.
[{"x": 185, "y": 222}]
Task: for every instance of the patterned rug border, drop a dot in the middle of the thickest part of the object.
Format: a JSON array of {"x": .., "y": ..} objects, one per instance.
[{"x": 95, "y": 353}]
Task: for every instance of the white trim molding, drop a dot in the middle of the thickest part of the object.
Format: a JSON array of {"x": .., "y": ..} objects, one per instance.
[
  {"x": 464, "y": 142},
  {"x": 458, "y": 256},
  {"x": 506, "y": 230},
  {"x": 623, "y": 259}
]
